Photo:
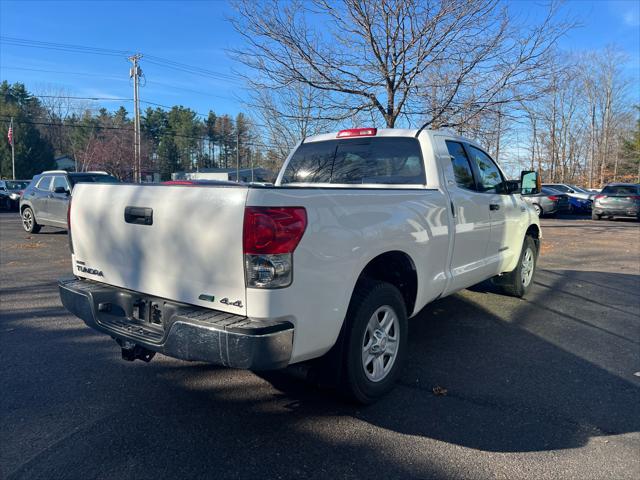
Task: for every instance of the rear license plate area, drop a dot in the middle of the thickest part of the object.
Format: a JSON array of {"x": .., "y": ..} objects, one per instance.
[{"x": 147, "y": 311}]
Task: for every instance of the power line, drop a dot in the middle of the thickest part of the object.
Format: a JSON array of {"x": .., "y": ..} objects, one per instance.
[
  {"x": 74, "y": 48},
  {"x": 70, "y": 97},
  {"x": 101, "y": 75},
  {"x": 128, "y": 129}
]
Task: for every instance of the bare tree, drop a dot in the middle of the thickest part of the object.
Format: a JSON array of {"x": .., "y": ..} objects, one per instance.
[
  {"x": 286, "y": 115},
  {"x": 579, "y": 127},
  {"x": 435, "y": 62}
]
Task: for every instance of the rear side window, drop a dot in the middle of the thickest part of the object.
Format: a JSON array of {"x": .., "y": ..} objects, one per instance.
[
  {"x": 621, "y": 190},
  {"x": 44, "y": 183},
  {"x": 560, "y": 188},
  {"x": 461, "y": 166},
  {"x": 490, "y": 176},
  {"x": 372, "y": 160}
]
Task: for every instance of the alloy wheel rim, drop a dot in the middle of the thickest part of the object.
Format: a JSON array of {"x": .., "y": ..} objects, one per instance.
[
  {"x": 27, "y": 219},
  {"x": 526, "y": 271},
  {"x": 380, "y": 343}
]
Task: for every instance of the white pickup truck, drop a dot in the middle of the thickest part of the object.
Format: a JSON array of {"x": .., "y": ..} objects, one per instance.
[{"x": 360, "y": 231}]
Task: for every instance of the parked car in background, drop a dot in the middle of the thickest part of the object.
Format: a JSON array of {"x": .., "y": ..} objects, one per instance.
[
  {"x": 46, "y": 200},
  {"x": 10, "y": 192},
  {"x": 547, "y": 201},
  {"x": 573, "y": 204},
  {"x": 571, "y": 190},
  {"x": 619, "y": 200}
]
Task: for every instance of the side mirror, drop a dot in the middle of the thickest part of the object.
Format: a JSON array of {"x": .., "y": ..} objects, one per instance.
[
  {"x": 60, "y": 190},
  {"x": 530, "y": 182}
]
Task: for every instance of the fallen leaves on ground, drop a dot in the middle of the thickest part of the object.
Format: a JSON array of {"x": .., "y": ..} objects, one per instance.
[{"x": 439, "y": 391}]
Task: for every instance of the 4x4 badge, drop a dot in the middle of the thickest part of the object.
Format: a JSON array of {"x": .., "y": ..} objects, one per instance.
[{"x": 226, "y": 301}]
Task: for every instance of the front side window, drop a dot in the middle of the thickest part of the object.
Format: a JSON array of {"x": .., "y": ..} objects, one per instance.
[
  {"x": 59, "y": 181},
  {"x": 490, "y": 176},
  {"x": 44, "y": 184},
  {"x": 461, "y": 166},
  {"x": 372, "y": 160}
]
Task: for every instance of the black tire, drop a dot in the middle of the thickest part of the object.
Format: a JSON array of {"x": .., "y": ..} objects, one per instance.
[
  {"x": 595, "y": 216},
  {"x": 513, "y": 283},
  {"x": 29, "y": 221},
  {"x": 368, "y": 298}
]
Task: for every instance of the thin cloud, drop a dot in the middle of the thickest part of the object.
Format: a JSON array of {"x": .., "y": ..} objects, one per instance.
[{"x": 631, "y": 18}]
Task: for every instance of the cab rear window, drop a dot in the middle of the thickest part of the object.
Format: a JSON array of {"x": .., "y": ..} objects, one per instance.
[{"x": 372, "y": 160}]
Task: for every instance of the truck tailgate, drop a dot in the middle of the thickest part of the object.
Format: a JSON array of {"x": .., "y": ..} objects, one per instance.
[{"x": 182, "y": 243}]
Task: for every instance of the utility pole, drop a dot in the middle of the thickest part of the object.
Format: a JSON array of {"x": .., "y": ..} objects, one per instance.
[
  {"x": 237, "y": 155},
  {"x": 13, "y": 149},
  {"x": 136, "y": 72},
  {"x": 251, "y": 158}
]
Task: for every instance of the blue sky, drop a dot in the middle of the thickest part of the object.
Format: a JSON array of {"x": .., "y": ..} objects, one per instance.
[{"x": 198, "y": 33}]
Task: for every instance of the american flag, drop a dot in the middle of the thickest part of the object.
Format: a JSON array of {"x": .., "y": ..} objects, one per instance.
[{"x": 10, "y": 135}]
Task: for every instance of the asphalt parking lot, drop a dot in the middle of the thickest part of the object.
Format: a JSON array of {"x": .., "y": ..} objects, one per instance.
[{"x": 547, "y": 387}]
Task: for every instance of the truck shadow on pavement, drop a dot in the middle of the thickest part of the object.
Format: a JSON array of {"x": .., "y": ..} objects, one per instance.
[
  {"x": 548, "y": 373},
  {"x": 518, "y": 378}
]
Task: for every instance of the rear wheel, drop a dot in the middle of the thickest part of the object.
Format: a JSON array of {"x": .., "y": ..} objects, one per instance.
[
  {"x": 29, "y": 221},
  {"x": 376, "y": 340},
  {"x": 518, "y": 282},
  {"x": 595, "y": 216}
]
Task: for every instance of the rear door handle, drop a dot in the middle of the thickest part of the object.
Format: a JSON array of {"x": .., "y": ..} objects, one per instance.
[
  {"x": 138, "y": 215},
  {"x": 494, "y": 206}
]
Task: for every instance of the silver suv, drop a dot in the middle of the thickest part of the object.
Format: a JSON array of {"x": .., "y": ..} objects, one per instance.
[{"x": 46, "y": 199}]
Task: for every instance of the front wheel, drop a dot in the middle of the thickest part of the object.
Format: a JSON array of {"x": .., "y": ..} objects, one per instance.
[
  {"x": 376, "y": 340},
  {"x": 29, "y": 221},
  {"x": 518, "y": 282}
]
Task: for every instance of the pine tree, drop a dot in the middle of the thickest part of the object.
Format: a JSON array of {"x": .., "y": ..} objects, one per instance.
[{"x": 33, "y": 152}]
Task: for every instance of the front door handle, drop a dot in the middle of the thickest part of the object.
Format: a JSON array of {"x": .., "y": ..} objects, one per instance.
[{"x": 494, "y": 206}]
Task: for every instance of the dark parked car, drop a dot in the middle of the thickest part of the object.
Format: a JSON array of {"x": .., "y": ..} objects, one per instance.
[
  {"x": 547, "y": 201},
  {"x": 617, "y": 199},
  {"x": 574, "y": 204},
  {"x": 10, "y": 192},
  {"x": 46, "y": 199}
]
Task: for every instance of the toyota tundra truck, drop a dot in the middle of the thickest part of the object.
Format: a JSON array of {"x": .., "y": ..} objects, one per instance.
[{"x": 361, "y": 229}]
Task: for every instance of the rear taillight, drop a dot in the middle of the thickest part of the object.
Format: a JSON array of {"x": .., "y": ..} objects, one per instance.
[
  {"x": 270, "y": 236},
  {"x": 357, "y": 132},
  {"x": 635, "y": 197},
  {"x": 598, "y": 197},
  {"x": 69, "y": 226},
  {"x": 553, "y": 198}
]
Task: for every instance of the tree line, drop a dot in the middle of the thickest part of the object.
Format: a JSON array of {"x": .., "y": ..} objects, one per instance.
[{"x": 175, "y": 139}]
